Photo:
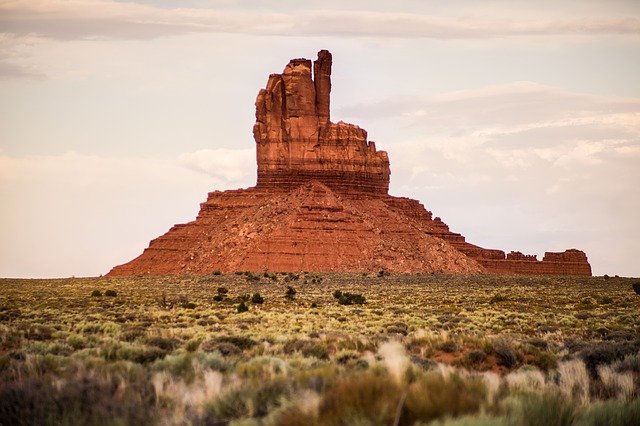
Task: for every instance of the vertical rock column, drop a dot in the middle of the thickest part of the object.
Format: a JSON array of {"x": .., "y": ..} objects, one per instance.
[{"x": 322, "y": 80}]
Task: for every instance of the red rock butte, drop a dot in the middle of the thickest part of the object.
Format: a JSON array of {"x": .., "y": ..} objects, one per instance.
[{"x": 321, "y": 203}]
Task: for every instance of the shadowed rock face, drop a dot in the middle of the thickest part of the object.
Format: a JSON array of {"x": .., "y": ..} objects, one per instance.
[{"x": 321, "y": 203}]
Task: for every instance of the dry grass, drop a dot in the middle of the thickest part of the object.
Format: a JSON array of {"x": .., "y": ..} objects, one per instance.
[{"x": 181, "y": 341}]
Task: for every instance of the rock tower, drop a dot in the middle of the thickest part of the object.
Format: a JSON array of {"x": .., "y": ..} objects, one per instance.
[{"x": 321, "y": 203}]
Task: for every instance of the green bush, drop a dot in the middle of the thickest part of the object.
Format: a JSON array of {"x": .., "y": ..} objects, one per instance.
[
  {"x": 290, "y": 293},
  {"x": 345, "y": 298},
  {"x": 219, "y": 297},
  {"x": 361, "y": 399},
  {"x": 111, "y": 293},
  {"x": 222, "y": 290},
  {"x": 506, "y": 355},
  {"x": 217, "y": 272},
  {"x": 434, "y": 396},
  {"x": 164, "y": 343},
  {"x": 257, "y": 299},
  {"x": 550, "y": 409},
  {"x": 476, "y": 357},
  {"x": 636, "y": 287},
  {"x": 449, "y": 346},
  {"x": 96, "y": 293},
  {"x": 605, "y": 300},
  {"x": 498, "y": 298},
  {"x": 242, "y": 307},
  {"x": 611, "y": 413}
]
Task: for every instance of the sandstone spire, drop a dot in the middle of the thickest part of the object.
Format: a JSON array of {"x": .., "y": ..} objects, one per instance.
[
  {"x": 322, "y": 80},
  {"x": 296, "y": 141}
]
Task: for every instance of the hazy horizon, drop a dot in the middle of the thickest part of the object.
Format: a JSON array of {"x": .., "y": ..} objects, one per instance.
[{"x": 517, "y": 123}]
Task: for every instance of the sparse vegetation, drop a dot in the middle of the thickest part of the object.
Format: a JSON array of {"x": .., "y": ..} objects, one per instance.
[
  {"x": 242, "y": 307},
  {"x": 290, "y": 293},
  {"x": 346, "y": 298},
  {"x": 422, "y": 348},
  {"x": 257, "y": 299}
]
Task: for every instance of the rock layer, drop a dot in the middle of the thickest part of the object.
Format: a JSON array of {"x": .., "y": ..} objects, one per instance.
[
  {"x": 296, "y": 142},
  {"x": 321, "y": 203}
]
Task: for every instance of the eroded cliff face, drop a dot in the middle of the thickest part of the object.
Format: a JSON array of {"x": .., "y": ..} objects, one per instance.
[
  {"x": 321, "y": 203},
  {"x": 296, "y": 141}
]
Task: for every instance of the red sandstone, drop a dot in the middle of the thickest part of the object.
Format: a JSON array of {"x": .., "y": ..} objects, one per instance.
[{"x": 321, "y": 203}]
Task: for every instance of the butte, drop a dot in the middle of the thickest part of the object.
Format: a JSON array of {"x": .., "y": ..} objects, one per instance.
[{"x": 321, "y": 203}]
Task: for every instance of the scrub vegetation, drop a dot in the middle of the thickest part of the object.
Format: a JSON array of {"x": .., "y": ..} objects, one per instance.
[{"x": 320, "y": 349}]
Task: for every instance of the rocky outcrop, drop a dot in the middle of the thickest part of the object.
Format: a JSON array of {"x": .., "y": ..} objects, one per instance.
[
  {"x": 296, "y": 142},
  {"x": 321, "y": 203}
]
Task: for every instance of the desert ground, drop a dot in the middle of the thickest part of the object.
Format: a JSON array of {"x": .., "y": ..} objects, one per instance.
[{"x": 320, "y": 349}]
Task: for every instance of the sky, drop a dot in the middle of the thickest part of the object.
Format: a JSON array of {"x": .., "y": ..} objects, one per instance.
[{"x": 516, "y": 122}]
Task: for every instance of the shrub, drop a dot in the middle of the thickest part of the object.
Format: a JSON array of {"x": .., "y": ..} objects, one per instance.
[
  {"x": 290, "y": 293},
  {"x": 188, "y": 305},
  {"x": 434, "y": 396},
  {"x": 545, "y": 409},
  {"x": 164, "y": 343},
  {"x": 476, "y": 357},
  {"x": 605, "y": 300},
  {"x": 192, "y": 345},
  {"x": 344, "y": 356},
  {"x": 636, "y": 287},
  {"x": 449, "y": 346},
  {"x": 257, "y": 299},
  {"x": 239, "y": 341},
  {"x": 218, "y": 297},
  {"x": 85, "y": 400},
  {"x": 217, "y": 272},
  {"x": 611, "y": 413},
  {"x": 242, "y": 307},
  {"x": 361, "y": 399},
  {"x": 225, "y": 348},
  {"x": 506, "y": 355},
  {"x": 222, "y": 290},
  {"x": 249, "y": 276},
  {"x": 250, "y": 400},
  {"x": 345, "y": 298},
  {"x": 498, "y": 298},
  {"x": 96, "y": 293},
  {"x": 606, "y": 353},
  {"x": 315, "y": 350},
  {"x": 111, "y": 293}
]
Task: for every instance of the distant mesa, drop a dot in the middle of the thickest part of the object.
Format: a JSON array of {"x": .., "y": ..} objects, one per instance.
[{"x": 321, "y": 203}]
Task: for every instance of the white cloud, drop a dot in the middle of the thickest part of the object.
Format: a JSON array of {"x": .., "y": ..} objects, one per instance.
[
  {"x": 102, "y": 18},
  {"x": 232, "y": 165},
  {"x": 523, "y": 167}
]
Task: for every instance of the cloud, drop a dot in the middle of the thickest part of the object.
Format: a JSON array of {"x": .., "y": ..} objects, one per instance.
[
  {"x": 14, "y": 52},
  {"x": 521, "y": 166},
  {"x": 230, "y": 165},
  {"x": 82, "y": 19},
  {"x": 77, "y": 214}
]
